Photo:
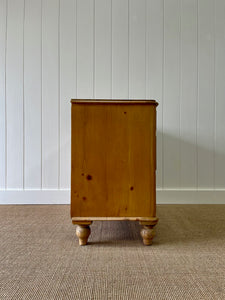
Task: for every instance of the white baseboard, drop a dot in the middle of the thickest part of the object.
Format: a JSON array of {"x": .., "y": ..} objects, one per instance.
[
  {"x": 35, "y": 197},
  {"x": 63, "y": 196},
  {"x": 191, "y": 196}
]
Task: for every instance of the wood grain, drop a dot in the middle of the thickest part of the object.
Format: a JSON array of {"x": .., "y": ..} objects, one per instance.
[{"x": 113, "y": 159}]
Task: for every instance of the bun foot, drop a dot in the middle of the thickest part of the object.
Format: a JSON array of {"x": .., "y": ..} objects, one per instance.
[
  {"x": 82, "y": 231},
  {"x": 147, "y": 234}
]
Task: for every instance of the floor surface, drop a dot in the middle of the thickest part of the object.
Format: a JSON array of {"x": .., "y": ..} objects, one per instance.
[{"x": 40, "y": 257}]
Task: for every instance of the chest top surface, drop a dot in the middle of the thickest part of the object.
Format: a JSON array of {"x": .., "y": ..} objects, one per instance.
[{"x": 113, "y": 101}]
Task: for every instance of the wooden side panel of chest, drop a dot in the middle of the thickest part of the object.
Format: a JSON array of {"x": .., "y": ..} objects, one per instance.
[{"x": 113, "y": 160}]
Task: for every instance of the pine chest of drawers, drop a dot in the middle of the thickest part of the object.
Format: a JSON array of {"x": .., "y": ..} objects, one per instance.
[{"x": 113, "y": 163}]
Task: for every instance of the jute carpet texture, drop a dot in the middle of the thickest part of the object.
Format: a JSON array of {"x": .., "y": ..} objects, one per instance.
[{"x": 40, "y": 257}]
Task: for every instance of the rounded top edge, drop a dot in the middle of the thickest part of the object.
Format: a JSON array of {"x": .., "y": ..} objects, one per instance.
[{"x": 114, "y": 101}]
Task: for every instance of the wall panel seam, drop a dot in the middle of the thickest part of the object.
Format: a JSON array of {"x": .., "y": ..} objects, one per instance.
[
  {"x": 163, "y": 90},
  {"x": 76, "y": 44},
  {"x": 128, "y": 48},
  {"x": 6, "y": 38},
  {"x": 146, "y": 45},
  {"x": 41, "y": 94},
  {"x": 197, "y": 100},
  {"x": 24, "y": 150},
  {"x": 111, "y": 54},
  {"x": 59, "y": 96},
  {"x": 214, "y": 87},
  {"x": 180, "y": 82},
  {"x": 94, "y": 56}
]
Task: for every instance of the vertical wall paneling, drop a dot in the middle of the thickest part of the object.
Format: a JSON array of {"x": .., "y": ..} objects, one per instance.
[
  {"x": 171, "y": 97},
  {"x": 14, "y": 94},
  {"x": 120, "y": 49},
  {"x": 32, "y": 94},
  {"x": 206, "y": 94},
  {"x": 188, "y": 95},
  {"x": 154, "y": 72},
  {"x": 220, "y": 94},
  {"x": 137, "y": 49},
  {"x": 3, "y": 13},
  {"x": 50, "y": 93},
  {"x": 168, "y": 50},
  {"x": 85, "y": 48},
  {"x": 103, "y": 49},
  {"x": 67, "y": 83}
]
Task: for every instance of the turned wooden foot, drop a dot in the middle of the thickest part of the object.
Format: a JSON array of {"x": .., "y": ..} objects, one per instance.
[
  {"x": 83, "y": 231},
  {"x": 147, "y": 232}
]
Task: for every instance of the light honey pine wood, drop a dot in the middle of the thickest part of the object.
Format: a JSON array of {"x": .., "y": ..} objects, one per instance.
[{"x": 113, "y": 163}]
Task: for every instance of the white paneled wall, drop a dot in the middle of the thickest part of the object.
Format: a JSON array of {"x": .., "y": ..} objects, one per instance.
[
  {"x": 14, "y": 89},
  {"x": 169, "y": 50},
  {"x": 188, "y": 93},
  {"x": 32, "y": 95}
]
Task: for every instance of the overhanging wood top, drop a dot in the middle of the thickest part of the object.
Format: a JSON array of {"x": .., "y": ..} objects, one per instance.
[{"x": 113, "y": 101}]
